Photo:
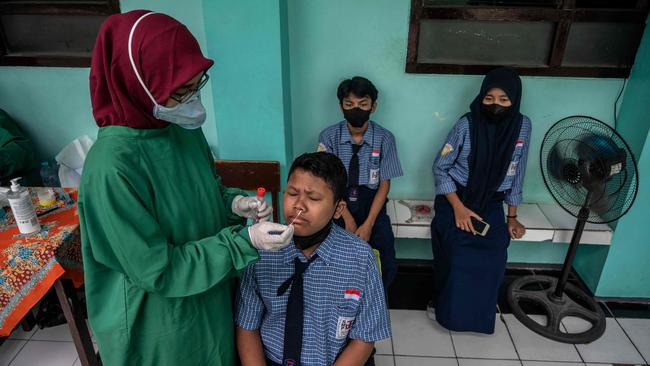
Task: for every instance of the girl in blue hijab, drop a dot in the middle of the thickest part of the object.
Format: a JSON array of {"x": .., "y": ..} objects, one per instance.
[{"x": 480, "y": 166}]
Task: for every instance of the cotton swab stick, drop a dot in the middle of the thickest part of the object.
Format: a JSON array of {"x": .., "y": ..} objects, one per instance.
[{"x": 294, "y": 219}]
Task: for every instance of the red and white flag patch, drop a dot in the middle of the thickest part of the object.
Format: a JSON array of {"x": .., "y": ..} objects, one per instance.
[
  {"x": 352, "y": 294},
  {"x": 375, "y": 153},
  {"x": 520, "y": 143}
]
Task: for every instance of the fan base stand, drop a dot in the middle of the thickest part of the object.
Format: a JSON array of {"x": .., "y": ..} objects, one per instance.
[{"x": 540, "y": 292}]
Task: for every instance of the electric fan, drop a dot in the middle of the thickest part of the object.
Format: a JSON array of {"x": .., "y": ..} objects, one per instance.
[{"x": 591, "y": 173}]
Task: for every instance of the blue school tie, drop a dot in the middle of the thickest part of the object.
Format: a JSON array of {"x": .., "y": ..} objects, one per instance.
[{"x": 293, "y": 324}]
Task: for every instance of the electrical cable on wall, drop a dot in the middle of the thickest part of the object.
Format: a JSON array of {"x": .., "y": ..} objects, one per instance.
[{"x": 616, "y": 102}]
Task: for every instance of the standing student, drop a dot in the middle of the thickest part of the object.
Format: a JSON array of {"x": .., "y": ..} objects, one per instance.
[
  {"x": 369, "y": 155},
  {"x": 480, "y": 166}
]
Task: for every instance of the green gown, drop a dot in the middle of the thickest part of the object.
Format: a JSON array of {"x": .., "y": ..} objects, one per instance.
[
  {"x": 17, "y": 157},
  {"x": 160, "y": 249}
]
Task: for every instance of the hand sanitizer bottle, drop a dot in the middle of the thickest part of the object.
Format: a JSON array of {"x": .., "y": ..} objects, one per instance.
[{"x": 21, "y": 204}]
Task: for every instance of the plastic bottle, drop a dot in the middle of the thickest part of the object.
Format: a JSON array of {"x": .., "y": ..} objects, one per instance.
[
  {"x": 3, "y": 203},
  {"x": 21, "y": 204},
  {"x": 261, "y": 191},
  {"x": 49, "y": 175},
  {"x": 50, "y": 178},
  {"x": 46, "y": 196}
]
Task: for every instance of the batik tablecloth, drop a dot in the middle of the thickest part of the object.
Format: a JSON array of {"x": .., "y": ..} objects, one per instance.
[{"x": 30, "y": 264}]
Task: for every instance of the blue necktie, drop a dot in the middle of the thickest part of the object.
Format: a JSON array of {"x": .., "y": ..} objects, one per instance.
[
  {"x": 293, "y": 324},
  {"x": 353, "y": 170}
]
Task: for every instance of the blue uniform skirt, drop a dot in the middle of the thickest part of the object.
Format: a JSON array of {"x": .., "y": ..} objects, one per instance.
[{"x": 468, "y": 269}]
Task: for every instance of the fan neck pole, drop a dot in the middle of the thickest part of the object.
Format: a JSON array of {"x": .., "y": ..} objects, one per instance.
[{"x": 583, "y": 215}]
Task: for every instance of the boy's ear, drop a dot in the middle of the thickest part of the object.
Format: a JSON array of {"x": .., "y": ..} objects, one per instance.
[
  {"x": 339, "y": 209},
  {"x": 374, "y": 107}
]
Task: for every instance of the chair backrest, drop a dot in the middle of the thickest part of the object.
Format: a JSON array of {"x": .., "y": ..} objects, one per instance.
[{"x": 251, "y": 174}]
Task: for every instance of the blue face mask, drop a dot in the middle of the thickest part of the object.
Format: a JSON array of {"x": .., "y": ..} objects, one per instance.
[{"x": 189, "y": 114}]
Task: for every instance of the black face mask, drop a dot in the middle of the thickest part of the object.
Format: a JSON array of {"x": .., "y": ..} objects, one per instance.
[
  {"x": 356, "y": 116},
  {"x": 494, "y": 113},
  {"x": 305, "y": 242}
]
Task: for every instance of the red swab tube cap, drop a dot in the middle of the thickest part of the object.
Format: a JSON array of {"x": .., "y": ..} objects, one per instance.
[{"x": 261, "y": 192}]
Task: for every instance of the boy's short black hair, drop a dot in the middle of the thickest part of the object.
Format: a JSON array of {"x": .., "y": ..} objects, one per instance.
[
  {"x": 358, "y": 86},
  {"x": 326, "y": 166}
]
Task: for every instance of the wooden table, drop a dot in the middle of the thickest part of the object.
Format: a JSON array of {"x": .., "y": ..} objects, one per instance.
[{"x": 30, "y": 265}]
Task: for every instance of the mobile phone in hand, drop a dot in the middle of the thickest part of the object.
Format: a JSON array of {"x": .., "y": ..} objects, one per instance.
[{"x": 480, "y": 227}]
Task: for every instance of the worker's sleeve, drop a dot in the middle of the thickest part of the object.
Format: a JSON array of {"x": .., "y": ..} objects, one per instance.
[
  {"x": 15, "y": 157},
  {"x": 228, "y": 195},
  {"x": 125, "y": 237},
  {"x": 16, "y": 151}
]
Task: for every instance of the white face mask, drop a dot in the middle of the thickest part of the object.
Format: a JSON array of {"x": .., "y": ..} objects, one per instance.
[{"x": 190, "y": 114}]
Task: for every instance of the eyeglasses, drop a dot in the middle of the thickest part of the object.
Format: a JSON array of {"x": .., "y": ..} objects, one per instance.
[{"x": 191, "y": 92}]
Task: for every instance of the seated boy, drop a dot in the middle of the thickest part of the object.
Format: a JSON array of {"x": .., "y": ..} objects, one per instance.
[
  {"x": 369, "y": 154},
  {"x": 319, "y": 301}
]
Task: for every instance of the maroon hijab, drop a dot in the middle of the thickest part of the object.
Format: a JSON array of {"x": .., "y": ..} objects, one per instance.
[{"x": 165, "y": 54}]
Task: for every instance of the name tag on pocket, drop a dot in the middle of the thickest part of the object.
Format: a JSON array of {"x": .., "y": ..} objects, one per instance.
[
  {"x": 512, "y": 169},
  {"x": 374, "y": 176},
  {"x": 343, "y": 326}
]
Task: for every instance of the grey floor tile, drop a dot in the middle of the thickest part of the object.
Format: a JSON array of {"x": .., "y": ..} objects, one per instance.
[
  {"x": 545, "y": 363},
  {"x": 424, "y": 361},
  {"x": 19, "y": 333},
  {"x": 60, "y": 333},
  {"x": 384, "y": 361},
  {"x": 639, "y": 332},
  {"x": 43, "y": 353},
  {"x": 483, "y": 362},
  {"x": 415, "y": 335},
  {"x": 10, "y": 349},
  {"x": 532, "y": 346},
  {"x": 492, "y": 346},
  {"x": 612, "y": 347},
  {"x": 384, "y": 347}
]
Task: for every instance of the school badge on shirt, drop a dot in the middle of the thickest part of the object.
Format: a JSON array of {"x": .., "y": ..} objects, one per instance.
[
  {"x": 321, "y": 148},
  {"x": 446, "y": 150},
  {"x": 343, "y": 326}
]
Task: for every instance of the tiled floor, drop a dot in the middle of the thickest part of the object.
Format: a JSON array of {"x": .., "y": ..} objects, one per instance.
[{"x": 416, "y": 342}]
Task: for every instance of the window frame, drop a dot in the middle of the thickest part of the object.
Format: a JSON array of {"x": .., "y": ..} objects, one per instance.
[
  {"x": 90, "y": 8},
  {"x": 564, "y": 15}
]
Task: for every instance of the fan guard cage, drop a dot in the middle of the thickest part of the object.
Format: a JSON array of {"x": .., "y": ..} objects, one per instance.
[{"x": 567, "y": 137}]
